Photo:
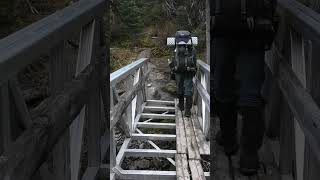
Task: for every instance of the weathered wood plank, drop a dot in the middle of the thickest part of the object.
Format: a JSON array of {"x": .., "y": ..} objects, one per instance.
[
  {"x": 196, "y": 170},
  {"x": 192, "y": 147},
  {"x": 150, "y": 153},
  {"x": 156, "y": 125},
  {"x": 158, "y": 116},
  {"x": 160, "y": 137},
  {"x": 159, "y": 108},
  {"x": 121, "y": 153},
  {"x": 145, "y": 174},
  {"x": 180, "y": 132},
  {"x": 182, "y": 167},
  {"x": 203, "y": 144}
]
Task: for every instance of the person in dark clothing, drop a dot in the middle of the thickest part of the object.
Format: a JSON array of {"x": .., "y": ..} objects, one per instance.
[
  {"x": 241, "y": 31},
  {"x": 183, "y": 64}
]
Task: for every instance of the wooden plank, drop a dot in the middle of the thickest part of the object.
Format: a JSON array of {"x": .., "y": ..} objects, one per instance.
[
  {"x": 121, "y": 153},
  {"x": 182, "y": 167},
  {"x": 150, "y": 153},
  {"x": 144, "y": 174},
  {"x": 180, "y": 132},
  {"x": 192, "y": 147},
  {"x": 158, "y": 116},
  {"x": 22, "y": 47},
  {"x": 196, "y": 170},
  {"x": 159, "y": 108},
  {"x": 156, "y": 125},
  {"x": 160, "y": 102},
  {"x": 160, "y": 137},
  {"x": 90, "y": 173},
  {"x": 203, "y": 144}
]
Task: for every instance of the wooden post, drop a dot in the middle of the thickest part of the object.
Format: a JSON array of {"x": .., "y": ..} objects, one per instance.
[
  {"x": 85, "y": 55},
  {"x": 208, "y": 38},
  {"x": 298, "y": 66},
  {"x": 94, "y": 106},
  {"x": 5, "y": 128},
  {"x": 129, "y": 112},
  {"x": 287, "y": 155},
  {"x": 312, "y": 166},
  {"x": 58, "y": 77}
]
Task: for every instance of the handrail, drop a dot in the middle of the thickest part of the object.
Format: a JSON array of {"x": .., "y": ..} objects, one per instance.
[
  {"x": 19, "y": 49},
  {"x": 122, "y": 73},
  {"x": 292, "y": 66},
  {"x": 71, "y": 94},
  {"x": 302, "y": 17},
  {"x": 201, "y": 83},
  {"x": 204, "y": 66}
]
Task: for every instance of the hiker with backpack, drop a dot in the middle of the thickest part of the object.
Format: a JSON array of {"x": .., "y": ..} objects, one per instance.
[
  {"x": 184, "y": 66},
  {"x": 241, "y": 32}
]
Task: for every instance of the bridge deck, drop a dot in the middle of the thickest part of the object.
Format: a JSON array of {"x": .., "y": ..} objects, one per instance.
[
  {"x": 190, "y": 143},
  {"x": 226, "y": 168}
]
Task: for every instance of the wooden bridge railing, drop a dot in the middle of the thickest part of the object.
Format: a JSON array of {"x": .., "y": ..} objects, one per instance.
[
  {"x": 202, "y": 96},
  {"x": 126, "y": 109},
  {"x": 293, "y": 92},
  {"x": 51, "y": 144}
]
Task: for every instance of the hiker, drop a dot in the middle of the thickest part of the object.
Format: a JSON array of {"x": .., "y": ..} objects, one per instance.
[
  {"x": 184, "y": 66},
  {"x": 241, "y": 32}
]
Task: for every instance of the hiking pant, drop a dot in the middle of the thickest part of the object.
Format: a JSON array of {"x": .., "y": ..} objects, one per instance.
[
  {"x": 184, "y": 84},
  {"x": 237, "y": 79}
]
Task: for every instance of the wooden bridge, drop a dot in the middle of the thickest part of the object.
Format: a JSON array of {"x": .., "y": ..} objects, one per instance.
[
  {"x": 134, "y": 112},
  {"x": 70, "y": 134}
]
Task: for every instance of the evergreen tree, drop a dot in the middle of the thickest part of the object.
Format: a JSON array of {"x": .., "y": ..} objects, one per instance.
[{"x": 131, "y": 22}]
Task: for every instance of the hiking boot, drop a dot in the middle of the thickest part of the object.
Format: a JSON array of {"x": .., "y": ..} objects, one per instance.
[
  {"x": 227, "y": 137},
  {"x": 249, "y": 163},
  {"x": 188, "y": 106},
  {"x": 181, "y": 103},
  {"x": 251, "y": 139}
]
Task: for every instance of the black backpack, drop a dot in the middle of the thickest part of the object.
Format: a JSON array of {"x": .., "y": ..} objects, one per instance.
[
  {"x": 234, "y": 17},
  {"x": 188, "y": 61}
]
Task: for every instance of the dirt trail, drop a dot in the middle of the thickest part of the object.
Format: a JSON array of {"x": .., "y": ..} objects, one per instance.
[{"x": 159, "y": 85}]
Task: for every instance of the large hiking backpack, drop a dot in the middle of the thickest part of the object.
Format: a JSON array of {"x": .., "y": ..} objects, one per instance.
[
  {"x": 184, "y": 61},
  {"x": 243, "y": 17}
]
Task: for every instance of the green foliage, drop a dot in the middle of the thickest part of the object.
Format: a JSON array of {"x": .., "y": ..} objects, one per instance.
[{"x": 130, "y": 17}]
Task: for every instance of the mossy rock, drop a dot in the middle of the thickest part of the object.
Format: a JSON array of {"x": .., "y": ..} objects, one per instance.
[{"x": 170, "y": 88}]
